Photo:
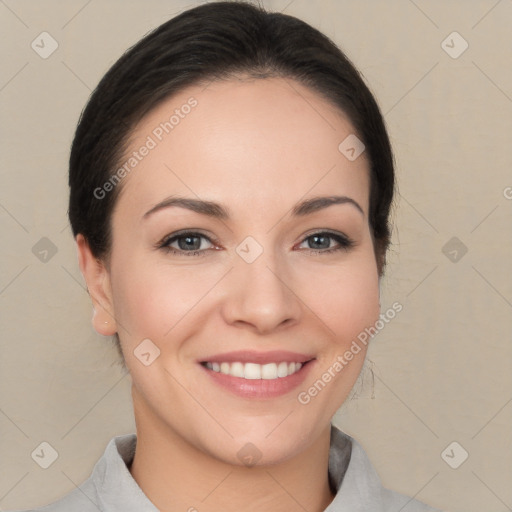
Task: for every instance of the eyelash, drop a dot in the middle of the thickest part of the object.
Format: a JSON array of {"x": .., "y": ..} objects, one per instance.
[{"x": 345, "y": 243}]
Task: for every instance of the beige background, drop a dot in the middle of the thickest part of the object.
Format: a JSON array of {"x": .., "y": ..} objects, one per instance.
[{"x": 442, "y": 367}]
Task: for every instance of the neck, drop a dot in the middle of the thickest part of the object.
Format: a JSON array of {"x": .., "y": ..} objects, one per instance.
[{"x": 175, "y": 475}]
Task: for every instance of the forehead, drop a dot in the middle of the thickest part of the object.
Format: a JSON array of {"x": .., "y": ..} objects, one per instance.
[{"x": 247, "y": 141}]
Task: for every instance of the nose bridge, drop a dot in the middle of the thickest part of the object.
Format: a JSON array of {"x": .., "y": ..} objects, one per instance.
[{"x": 259, "y": 290}]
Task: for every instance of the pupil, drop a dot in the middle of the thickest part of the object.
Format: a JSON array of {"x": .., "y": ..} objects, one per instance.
[
  {"x": 316, "y": 238},
  {"x": 188, "y": 243}
]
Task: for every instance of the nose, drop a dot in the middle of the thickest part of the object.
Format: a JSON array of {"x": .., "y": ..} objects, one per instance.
[{"x": 260, "y": 296}]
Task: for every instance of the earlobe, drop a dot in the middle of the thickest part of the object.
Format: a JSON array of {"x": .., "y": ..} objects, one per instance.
[
  {"x": 97, "y": 279},
  {"x": 101, "y": 326}
]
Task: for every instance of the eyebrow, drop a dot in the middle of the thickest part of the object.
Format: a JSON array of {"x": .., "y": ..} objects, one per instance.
[{"x": 215, "y": 210}]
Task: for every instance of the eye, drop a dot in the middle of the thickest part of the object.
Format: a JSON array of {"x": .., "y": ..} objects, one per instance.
[
  {"x": 186, "y": 243},
  {"x": 321, "y": 242},
  {"x": 192, "y": 243}
]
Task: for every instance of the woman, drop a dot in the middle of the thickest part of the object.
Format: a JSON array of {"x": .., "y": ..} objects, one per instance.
[{"x": 230, "y": 186}]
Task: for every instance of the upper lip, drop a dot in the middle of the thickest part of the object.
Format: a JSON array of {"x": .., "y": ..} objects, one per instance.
[{"x": 249, "y": 356}]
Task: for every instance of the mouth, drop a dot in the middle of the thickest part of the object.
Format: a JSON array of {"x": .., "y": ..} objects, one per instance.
[
  {"x": 258, "y": 375},
  {"x": 253, "y": 371}
]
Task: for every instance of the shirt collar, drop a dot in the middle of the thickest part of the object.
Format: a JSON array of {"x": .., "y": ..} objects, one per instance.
[
  {"x": 116, "y": 489},
  {"x": 351, "y": 476},
  {"x": 357, "y": 484}
]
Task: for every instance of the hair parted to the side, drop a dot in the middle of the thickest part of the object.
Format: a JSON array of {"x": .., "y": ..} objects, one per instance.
[{"x": 216, "y": 41}]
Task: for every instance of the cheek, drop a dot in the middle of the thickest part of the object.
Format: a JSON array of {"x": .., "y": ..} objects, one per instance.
[
  {"x": 152, "y": 298},
  {"x": 346, "y": 299}
]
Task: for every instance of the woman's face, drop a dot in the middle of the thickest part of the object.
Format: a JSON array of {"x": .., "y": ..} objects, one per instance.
[{"x": 256, "y": 280}]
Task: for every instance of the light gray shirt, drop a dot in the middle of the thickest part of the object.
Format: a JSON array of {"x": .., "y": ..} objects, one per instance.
[{"x": 111, "y": 487}]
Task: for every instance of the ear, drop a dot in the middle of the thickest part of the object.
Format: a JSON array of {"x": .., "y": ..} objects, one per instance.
[{"x": 97, "y": 279}]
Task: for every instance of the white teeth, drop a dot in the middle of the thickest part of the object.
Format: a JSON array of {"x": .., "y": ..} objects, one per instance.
[
  {"x": 237, "y": 370},
  {"x": 253, "y": 371},
  {"x": 282, "y": 370},
  {"x": 269, "y": 371}
]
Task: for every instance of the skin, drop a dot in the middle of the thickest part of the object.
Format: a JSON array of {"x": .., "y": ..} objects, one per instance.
[{"x": 257, "y": 147}]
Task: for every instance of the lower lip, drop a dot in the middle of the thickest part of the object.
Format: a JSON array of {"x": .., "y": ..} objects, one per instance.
[{"x": 260, "y": 388}]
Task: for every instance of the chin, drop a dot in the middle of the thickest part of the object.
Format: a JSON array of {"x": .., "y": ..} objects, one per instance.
[
  {"x": 255, "y": 452},
  {"x": 262, "y": 445}
]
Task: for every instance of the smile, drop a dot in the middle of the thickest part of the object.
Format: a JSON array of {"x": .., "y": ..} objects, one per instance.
[
  {"x": 253, "y": 371},
  {"x": 258, "y": 375}
]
